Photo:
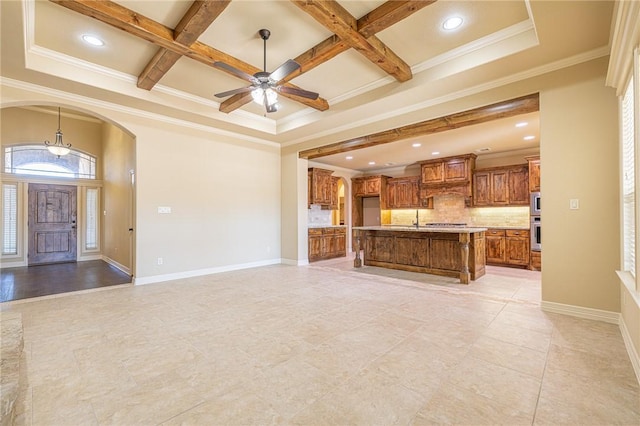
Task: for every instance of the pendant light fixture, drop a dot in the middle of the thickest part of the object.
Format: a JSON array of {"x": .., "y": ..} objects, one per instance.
[{"x": 58, "y": 147}]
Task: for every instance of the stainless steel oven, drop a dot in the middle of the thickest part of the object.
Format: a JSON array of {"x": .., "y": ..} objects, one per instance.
[
  {"x": 536, "y": 233},
  {"x": 535, "y": 204}
]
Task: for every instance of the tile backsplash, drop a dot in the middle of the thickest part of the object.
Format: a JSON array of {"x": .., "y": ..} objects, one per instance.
[
  {"x": 451, "y": 209},
  {"x": 318, "y": 217}
]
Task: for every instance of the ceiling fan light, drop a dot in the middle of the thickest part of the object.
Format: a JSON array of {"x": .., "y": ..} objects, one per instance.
[
  {"x": 272, "y": 96},
  {"x": 258, "y": 96}
]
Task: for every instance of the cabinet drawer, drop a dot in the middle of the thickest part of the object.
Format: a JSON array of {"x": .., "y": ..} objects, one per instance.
[
  {"x": 315, "y": 231},
  {"x": 342, "y": 231},
  {"x": 329, "y": 231},
  {"x": 496, "y": 232},
  {"x": 522, "y": 233}
]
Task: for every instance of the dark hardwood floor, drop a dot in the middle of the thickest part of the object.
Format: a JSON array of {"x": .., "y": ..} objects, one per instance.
[{"x": 44, "y": 280}]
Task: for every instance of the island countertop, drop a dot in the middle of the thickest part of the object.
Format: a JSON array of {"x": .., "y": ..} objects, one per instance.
[
  {"x": 405, "y": 228},
  {"x": 453, "y": 251}
]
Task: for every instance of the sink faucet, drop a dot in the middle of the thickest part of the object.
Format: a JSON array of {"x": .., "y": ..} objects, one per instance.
[{"x": 417, "y": 222}]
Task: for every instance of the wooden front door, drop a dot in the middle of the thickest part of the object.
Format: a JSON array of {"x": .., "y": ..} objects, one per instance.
[{"x": 52, "y": 223}]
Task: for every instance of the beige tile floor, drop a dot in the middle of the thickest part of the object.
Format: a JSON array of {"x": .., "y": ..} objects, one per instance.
[{"x": 321, "y": 345}]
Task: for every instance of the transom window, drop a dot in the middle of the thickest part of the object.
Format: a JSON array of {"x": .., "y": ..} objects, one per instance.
[{"x": 37, "y": 160}]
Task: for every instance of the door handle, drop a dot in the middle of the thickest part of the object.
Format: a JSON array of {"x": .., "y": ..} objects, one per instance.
[{"x": 130, "y": 229}]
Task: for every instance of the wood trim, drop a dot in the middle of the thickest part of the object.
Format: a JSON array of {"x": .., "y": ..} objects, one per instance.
[
  {"x": 339, "y": 21},
  {"x": 147, "y": 29},
  {"x": 517, "y": 106},
  {"x": 200, "y": 15}
]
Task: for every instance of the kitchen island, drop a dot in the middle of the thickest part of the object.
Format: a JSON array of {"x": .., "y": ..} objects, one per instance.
[{"x": 449, "y": 251}]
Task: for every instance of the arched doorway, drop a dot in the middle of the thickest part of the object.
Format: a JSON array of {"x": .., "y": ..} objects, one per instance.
[{"x": 102, "y": 214}]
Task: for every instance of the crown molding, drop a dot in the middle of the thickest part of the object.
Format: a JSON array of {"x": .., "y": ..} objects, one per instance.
[
  {"x": 110, "y": 106},
  {"x": 625, "y": 38}
]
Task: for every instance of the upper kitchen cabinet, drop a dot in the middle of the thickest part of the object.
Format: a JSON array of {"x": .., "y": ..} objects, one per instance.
[
  {"x": 320, "y": 187},
  {"x": 334, "y": 193},
  {"x": 534, "y": 173},
  {"x": 369, "y": 186},
  {"x": 403, "y": 193},
  {"x": 501, "y": 186},
  {"x": 450, "y": 175}
]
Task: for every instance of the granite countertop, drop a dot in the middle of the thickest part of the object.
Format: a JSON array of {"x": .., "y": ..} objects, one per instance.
[
  {"x": 395, "y": 228},
  {"x": 522, "y": 228}
]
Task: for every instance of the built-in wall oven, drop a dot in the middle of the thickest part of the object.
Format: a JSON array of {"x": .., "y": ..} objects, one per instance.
[{"x": 536, "y": 228}]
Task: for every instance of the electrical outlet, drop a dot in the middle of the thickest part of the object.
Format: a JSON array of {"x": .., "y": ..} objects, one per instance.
[
  {"x": 164, "y": 210},
  {"x": 160, "y": 261},
  {"x": 574, "y": 204}
]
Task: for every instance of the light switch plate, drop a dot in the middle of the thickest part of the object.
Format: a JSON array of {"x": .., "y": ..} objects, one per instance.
[
  {"x": 574, "y": 204},
  {"x": 164, "y": 210}
]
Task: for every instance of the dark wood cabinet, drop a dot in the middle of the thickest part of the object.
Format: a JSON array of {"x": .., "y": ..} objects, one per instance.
[
  {"x": 333, "y": 205},
  {"x": 495, "y": 244},
  {"x": 501, "y": 186},
  {"x": 320, "y": 186},
  {"x": 517, "y": 247},
  {"x": 368, "y": 186},
  {"x": 326, "y": 243},
  {"x": 402, "y": 193},
  {"x": 447, "y": 170},
  {"x": 450, "y": 175},
  {"x": 507, "y": 247},
  {"x": 534, "y": 173}
]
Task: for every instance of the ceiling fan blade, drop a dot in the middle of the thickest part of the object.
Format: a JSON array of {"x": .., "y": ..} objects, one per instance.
[
  {"x": 284, "y": 70},
  {"x": 235, "y": 71},
  {"x": 234, "y": 91},
  {"x": 298, "y": 92}
]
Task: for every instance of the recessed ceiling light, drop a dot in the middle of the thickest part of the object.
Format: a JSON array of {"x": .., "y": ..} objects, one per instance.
[
  {"x": 372, "y": 163},
  {"x": 452, "y": 23},
  {"x": 529, "y": 138},
  {"x": 389, "y": 164},
  {"x": 521, "y": 124},
  {"x": 435, "y": 153},
  {"x": 416, "y": 145},
  {"x": 92, "y": 40},
  {"x": 348, "y": 157}
]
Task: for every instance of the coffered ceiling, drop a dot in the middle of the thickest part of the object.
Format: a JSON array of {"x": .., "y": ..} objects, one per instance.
[{"x": 371, "y": 61}]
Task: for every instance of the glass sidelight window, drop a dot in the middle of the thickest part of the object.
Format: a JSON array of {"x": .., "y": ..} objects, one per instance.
[
  {"x": 10, "y": 218},
  {"x": 91, "y": 213}
]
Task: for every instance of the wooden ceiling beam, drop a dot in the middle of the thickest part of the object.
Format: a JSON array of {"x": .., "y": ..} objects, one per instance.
[
  {"x": 339, "y": 21},
  {"x": 510, "y": 108},
  {"x": 382, "y": 17},
  {"x": 198, "y": 18},
  {"x": 147, "y": 29}
]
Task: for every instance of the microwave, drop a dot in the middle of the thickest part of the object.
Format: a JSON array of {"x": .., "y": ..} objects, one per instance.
[{"x": 535, "y": 204}]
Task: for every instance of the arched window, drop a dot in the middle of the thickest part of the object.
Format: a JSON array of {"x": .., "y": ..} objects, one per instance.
[{"x": 37, "y": 160}]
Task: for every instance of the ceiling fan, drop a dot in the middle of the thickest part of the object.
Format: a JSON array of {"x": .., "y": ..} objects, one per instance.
[{"x": 264, "y": 86}]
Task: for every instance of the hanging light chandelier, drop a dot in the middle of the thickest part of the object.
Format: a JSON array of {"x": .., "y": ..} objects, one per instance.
[{"x": 58, "y": 147}]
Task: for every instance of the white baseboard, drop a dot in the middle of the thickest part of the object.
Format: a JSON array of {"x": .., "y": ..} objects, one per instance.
[
  {"x": 117, "y": 265},
  {"x": 631, "y": 350},
  {"x": 294, "y": 262},
  {"x": 581, "y": 312},
  {"x": 199, "y": 272}
]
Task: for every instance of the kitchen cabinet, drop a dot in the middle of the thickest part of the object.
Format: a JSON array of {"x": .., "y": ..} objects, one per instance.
[
  {"x": 447, "y": 170},
  {"x": 368, "y": 186},
  {"x": 402, "y": 193},
  {"x": 534, "y": 173},
  {"x": 507, "y": 247},
  {"x": 495, "y": 244},
  {"x": 333, "y": 205},
  {"x": 450, "y": 175},
  {"x": 536, "y": 261},
  {"x": 501, "y": 186},
  {"x": 320, "y": 186},
  {"x": 326, "y": 243}
]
